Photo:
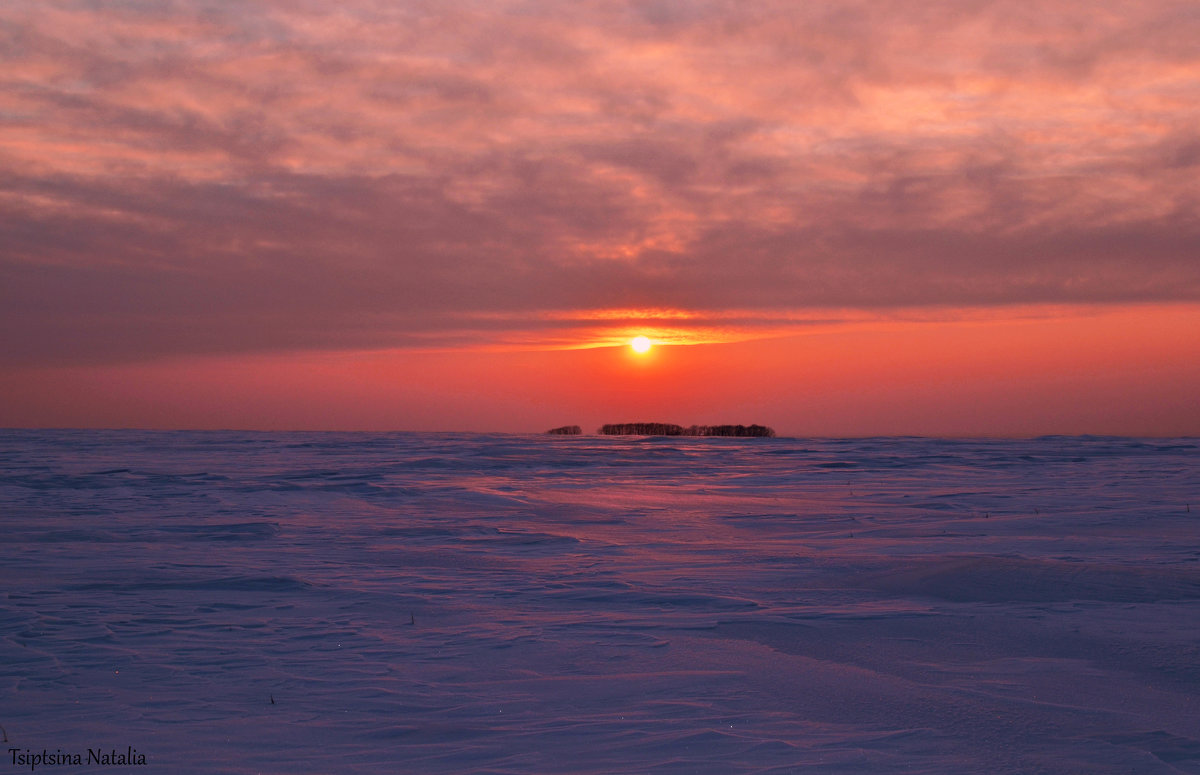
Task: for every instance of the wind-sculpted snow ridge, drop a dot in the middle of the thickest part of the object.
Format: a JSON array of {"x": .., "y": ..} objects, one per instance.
[{"x": 438, "y": 603}]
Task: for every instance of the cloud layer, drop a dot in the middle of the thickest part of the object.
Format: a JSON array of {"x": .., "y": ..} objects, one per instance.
[{"x": 206, "y": 177}]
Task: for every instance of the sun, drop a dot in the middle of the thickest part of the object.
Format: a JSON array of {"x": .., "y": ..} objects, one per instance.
[{"x": 640, "y": 344}]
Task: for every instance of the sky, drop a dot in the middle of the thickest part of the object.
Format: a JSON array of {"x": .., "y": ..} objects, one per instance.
[{"x": 835, "y": 218}]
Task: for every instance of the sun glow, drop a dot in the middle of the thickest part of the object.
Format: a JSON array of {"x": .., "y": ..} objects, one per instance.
[{"x": 640, "y": 344}]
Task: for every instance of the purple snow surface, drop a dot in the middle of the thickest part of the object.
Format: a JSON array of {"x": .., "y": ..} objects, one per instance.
[{"x": 537, "y": 604}]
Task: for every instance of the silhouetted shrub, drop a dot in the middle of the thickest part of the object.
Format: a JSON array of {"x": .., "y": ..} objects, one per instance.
[{"x": 566, "y": 430}]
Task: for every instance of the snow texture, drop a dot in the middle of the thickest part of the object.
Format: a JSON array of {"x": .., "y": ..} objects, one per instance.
[{"x": 423, "y": 603}]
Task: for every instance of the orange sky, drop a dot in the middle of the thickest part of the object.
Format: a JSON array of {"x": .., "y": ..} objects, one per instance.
[
  {"x": 846, "y": 218},
  {"x": 1110, "y": 371}
]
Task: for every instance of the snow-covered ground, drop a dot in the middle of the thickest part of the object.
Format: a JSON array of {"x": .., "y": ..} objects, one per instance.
[{"x": 318, "y": 603}]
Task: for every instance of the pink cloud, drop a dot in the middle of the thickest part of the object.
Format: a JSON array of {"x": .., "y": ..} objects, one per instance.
[{"x": 211, "y": 178}]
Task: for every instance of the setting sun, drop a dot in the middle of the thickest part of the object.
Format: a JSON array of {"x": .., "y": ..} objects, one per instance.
[{"x": 640, "y": 344}]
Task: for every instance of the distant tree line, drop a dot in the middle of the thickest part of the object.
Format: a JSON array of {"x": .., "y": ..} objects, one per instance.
[
  {"x": 641, "y": 429},
  {"x": 759, "y": 431},
  {"x": 667, "y": 429},
  {"x": 566, "y": 430}
]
